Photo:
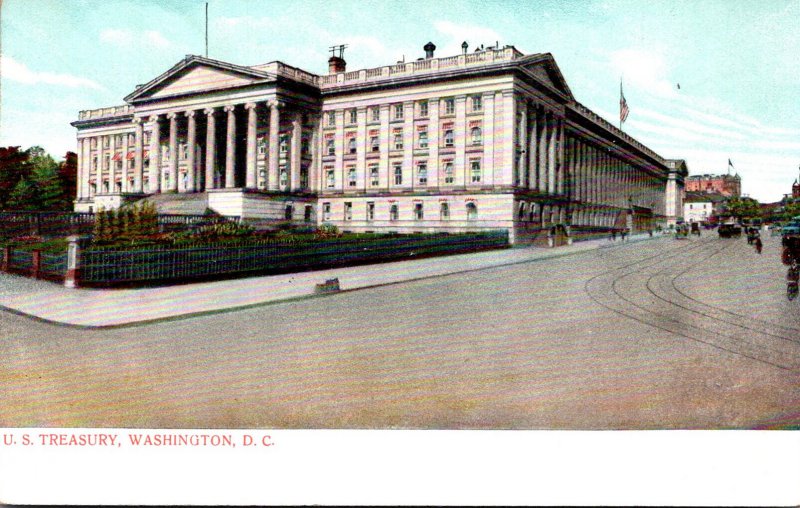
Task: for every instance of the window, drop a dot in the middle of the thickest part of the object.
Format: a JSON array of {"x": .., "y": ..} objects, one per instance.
[
  {"x": 348, "y": 211},
  {"x": 330, "y": 178},
  {"x": 307, "y": 213},
  {"x": 422, "y": 173},
  {"x": 521, "y": 214},
  {"x": 353, "y": 116},
  {"x": 262, "y": 146},
  {"x": 304, "y": 146},
  {"x": 448, "y": 172},
  {"x": 288, "y": 212},
  {"x": 477, "y": 136},
  {"x": 284, "y": 177},
  {"x": 475, "y": 170},
  {"x": 106, "y": 161},
  {"x": 262, "y": 181},
  {"x": 326, "y": 211},
  {"x": 119, "y": 139},
  {"x": 394, "y": 213},
  {"x": 94, "y": 163},
  {"x": 330, "y": 147},
  {"x": 472, "y": 211},
  {"x": 106, "y": 141},
  {"x": 419, "y": 213},
  {"x": 373, "y": 175},
  {"x": 398, "y": 140},
  {"x": 351, "y": 176},
  {"x": 331, "y": 118},
  {"x": 370, "y": 210},
  {"x": 398, "y": 174},
  {"x": 398, "y": 111},
  {"x": 449, "y": 106},
  {"x": 448, "y": 138},
  {"x": 477, "y": 103},
  {"x": 444, "y": 211},
  {"x": 351, "y": 145},
  {"x": 423, "y": 108},
  {"x": 184, "y": 151},
  {"x": 304, "y": 177},
  {"x": 375, "y": 144},
  {"x": 284, "y": 144},
  {"x": 376, "y": 114},
  {"x": 423, "y": 139}
]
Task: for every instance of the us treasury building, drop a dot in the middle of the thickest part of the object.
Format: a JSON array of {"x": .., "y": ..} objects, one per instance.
[{"x": 487, "y": 139}]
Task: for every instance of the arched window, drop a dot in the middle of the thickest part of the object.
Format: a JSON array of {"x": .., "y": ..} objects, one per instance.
[
  {"x": 448, "y": 138},
  {"x": 522, "y": 211},
  {"x": 393, "y": 213},
  {"x": 472, "y": 211},
  {"x": 444, "y": 211},
  {"x": 477, "y": 136}
]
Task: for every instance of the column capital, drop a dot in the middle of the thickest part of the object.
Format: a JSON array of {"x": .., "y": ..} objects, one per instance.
[
  {"x": 250, "y": 105},
  {"x": 229, "y": 108},
  {"x": 155, "y": 118},
  {"x": 190, "y": 113},
  {"x": 172, "y": 115},
  {"x": 276, "y": 104},
  {"x": 210, "y": 111},
  {"x": 138, "y": 120}
]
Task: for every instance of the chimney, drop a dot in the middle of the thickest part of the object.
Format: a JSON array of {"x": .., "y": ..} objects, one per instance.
[
  {"x": 336, "y": 64},
  {"x": 429, "y": 49}
]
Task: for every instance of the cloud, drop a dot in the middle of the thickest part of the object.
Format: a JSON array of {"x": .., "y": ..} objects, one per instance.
[
  {"x": 126, "y": 38},
  {"x": 644, "y": 70},
  {"x": 19, "y": 72}
]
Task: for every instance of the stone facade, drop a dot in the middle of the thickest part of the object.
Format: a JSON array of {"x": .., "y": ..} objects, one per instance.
[{"x": 484, "y": 140}]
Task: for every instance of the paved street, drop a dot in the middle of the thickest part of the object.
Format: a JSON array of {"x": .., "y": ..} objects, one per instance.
[{"x": 655, "y": 334}]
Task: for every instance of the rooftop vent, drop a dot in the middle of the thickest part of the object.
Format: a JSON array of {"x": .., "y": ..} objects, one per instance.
[{"x": 429, "y": 49}]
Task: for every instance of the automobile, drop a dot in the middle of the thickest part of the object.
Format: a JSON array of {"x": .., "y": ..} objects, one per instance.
[{"x": 729, "y": 229}]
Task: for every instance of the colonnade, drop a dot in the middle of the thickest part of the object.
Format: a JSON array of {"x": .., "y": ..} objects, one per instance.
[{"x": 539, "y": 166}]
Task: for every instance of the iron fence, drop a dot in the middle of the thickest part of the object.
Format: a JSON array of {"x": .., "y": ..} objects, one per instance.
[
  {"x": 52, "y": 266},
  {"x": 108, "y": 267}
]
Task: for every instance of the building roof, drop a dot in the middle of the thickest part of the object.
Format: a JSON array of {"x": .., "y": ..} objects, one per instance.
[{"x": 704, "y": 197}]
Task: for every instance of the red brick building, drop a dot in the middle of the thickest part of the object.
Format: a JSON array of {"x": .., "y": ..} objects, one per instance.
[{"x": 727, "y": 185}]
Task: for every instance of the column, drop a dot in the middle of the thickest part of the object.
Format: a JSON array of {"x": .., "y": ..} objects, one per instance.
[
  {"x": 533, "y": 178},
  {"x": 191, "y": 141},
  {"x": 252, "y": 125},
  {"x": 138, "y": 154},
  {"x": 173, "y": 151},
  {"x": 125, "y": 149},
  {"x": 434, "y": 179},
  {"x": 408, "y": 145},
  {"x": 230, "y": 149},
  {"x": 489, "y": 144},
  {"x": 295, "y": 151},
  {"x": 80, "y": 175},
  {"x": 384, "y": 171},
  {"x": 155, "y": 155},
  {"x": 313, "y": 170},
  {"x": 551, "y": 154},
  {"x": 274, "y": 133},
  {"x": 542, "y": 149},
  {"x": 509, "y": 141},
  {"x": 522, "y": 179},
  {"x": 112, "y": 165},
  {"x": 362, "y": 172},
  {"x": 211, "y": 148},
  {"x": 562, "y": 166}
]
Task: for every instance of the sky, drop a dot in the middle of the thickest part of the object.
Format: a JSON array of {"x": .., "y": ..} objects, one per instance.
[{"x": 706, "y": 81}]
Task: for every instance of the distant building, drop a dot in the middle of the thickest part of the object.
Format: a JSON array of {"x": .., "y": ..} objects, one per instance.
[
  {"x": 727, "y": 185},
  {"x": 796, "y": 188},
  {"x": 701, "y": 206}
]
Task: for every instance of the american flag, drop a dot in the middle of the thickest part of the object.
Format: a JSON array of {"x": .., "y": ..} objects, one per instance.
[{"x": 623, "y": 105}]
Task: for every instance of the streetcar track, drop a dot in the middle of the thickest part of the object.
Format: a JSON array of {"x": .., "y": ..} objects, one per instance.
[{"x": 751, "y": 350}]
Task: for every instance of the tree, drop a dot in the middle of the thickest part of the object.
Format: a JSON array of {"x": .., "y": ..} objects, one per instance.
[
  {"x": 14, "y": 166},
  {"x": 68, "y": 174},
  {"x": 742, "y": 208},
  {"x": 791, "y": 209},
  {"x": 23, "y": 197},
  {"x": 44, "y": 176}
]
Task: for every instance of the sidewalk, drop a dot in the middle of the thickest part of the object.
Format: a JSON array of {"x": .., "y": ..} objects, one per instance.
[{"x": 119, "y": 307}]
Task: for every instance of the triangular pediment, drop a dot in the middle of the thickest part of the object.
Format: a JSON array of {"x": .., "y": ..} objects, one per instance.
[
  {"x": 545, "y": 70},
  {"x": 196, "y": 75}
]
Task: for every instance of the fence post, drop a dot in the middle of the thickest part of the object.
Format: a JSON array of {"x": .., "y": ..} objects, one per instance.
[
  {"x": 73, "y": 275},
  {"x": 6, "y": 258},
  {"x": 36, "y": 263}
]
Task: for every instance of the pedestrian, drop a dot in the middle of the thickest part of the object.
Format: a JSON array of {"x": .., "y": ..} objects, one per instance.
[
  {"x": 759, "y": 245},
  {"x": 623, "y": 233},
  {"x": 613, "y": 235}
]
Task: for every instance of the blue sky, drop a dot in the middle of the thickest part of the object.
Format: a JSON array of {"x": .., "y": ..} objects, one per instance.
[{"x": 736, "y": 61}]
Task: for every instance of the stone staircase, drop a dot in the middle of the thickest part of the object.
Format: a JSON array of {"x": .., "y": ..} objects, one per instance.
[{"x": 194, "y": 203}]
